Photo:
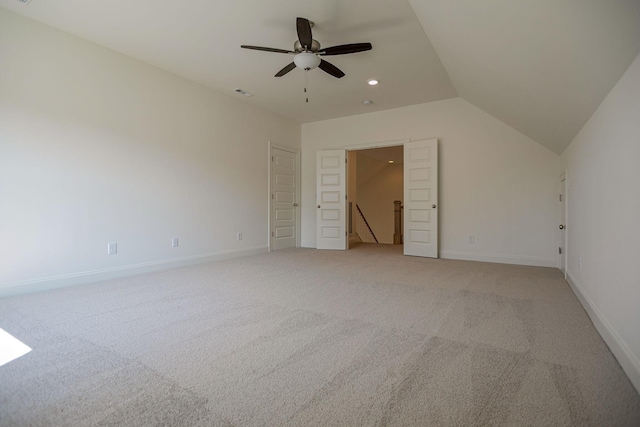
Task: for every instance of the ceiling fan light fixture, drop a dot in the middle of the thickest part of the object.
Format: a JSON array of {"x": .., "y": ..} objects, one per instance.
[
  {"x": 372, "y": 82},
  {"x": 306, "y": 60},
  {"x": 307, "y": 51}
]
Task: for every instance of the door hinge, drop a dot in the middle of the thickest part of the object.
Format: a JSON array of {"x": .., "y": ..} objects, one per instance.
[
  {"x": 561, "y": 197},
  {"x": 560, "y": 251},
  {"x": 272, "y": 234},
  {"x": 272, "y": 158},
  {"x": 271, "y": 195}
]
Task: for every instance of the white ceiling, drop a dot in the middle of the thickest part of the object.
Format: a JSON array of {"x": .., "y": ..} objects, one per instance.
[{"x": 540, "y": 66}]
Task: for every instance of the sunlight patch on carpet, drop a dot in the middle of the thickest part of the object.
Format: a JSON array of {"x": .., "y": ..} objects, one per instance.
[{"x": 11, "y": 348}]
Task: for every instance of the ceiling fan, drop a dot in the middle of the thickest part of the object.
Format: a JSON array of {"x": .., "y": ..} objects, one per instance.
[{"x": 307, "y": 51}]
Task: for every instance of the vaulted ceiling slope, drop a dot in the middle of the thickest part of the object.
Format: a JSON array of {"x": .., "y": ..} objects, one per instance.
[{"x": 540, "y": 66}]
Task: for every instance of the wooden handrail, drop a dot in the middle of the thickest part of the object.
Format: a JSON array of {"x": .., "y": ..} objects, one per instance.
[{"x": 366, "y": 223}]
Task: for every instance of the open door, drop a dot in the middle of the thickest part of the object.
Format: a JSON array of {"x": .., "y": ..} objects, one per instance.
[
  {"x": 421, "y": 198},
  {"x": 331, "y": 230}
]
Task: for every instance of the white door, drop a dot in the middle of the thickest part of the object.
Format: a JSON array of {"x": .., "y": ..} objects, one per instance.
[
  {"x": 283, "y": 199},
  {"x": 562, "y": 248},
  {"x": 421, "y": 198},
  {"x": 331, "y": 200}
]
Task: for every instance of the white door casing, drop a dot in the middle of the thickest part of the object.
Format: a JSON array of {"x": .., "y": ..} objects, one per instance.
[
  {"x": 331, "y": 200},
  {"x": 284, "y": 205},
  {"x": 421, "y": 198}
]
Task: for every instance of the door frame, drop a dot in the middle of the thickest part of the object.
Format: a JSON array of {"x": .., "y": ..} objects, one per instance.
[
  {"x": 367, "y": 146},
  {"x": 297, "y": 177},
  {"x": 381, "y": 144},
  {"x": 563, "y": 187},
  {"x": 393, "y": 143}
]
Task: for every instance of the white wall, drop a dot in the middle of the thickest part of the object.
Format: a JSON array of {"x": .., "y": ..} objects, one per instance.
[
  {"x": 96, "y": 147},
  {"x": 603, "y": 203},
  {"x": 495, "y": 183}
]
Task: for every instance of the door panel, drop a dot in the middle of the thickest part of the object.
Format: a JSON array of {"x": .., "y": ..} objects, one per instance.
[
  {"x": 331, "y": 201},
  {"x": 421, "y": 198},
  {"x": 283, "y": 199}
]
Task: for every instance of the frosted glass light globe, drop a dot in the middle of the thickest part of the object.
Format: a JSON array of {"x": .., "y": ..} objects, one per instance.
[{"x": 306, "y": 60}]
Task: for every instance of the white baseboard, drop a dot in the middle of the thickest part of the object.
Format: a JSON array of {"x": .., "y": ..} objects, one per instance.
[
  {"x": 628, "y": 361},
  {"x": 80, "y": 278},
  {"x": 500, "y": 258}
]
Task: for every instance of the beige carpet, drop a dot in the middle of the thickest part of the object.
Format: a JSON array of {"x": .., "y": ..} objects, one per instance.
[{"x": 302, "y": 337}]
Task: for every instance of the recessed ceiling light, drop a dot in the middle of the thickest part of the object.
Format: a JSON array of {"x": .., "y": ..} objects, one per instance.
[
  {"x": 367, "y": 102},
  {"x": 373, "y": 82},
  {"x": 390, "y": 161}
]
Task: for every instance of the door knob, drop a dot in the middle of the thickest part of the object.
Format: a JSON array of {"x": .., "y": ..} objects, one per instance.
[
  {"x": 561, "y": 227},
  {"x": 433, "y": 206},
  {"x": 295, "y": 204},
  {"x": 318, "y": 206}
]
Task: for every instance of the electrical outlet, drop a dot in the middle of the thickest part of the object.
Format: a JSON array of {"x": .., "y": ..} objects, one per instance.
[
  {"x": 471, "y": 238},
  {"x": 112, "y": 248},
  {"x": 239, "y": 236},
  {"x": 174, "y": 242}
]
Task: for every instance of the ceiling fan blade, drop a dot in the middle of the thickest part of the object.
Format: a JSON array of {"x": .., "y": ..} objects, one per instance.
[
  {"x": 266, "y": 49},
  {"x": 329, "y": 68},
  {"x": 343, "y": 49},
  {"x": 286, "y": 69},
  {"x": 304, "y": 32}
]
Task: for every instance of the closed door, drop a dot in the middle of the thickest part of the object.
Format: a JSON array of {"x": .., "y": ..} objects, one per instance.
[
  {"x": 331, "y": 200},
  {"x": 421, "y": 198},
  {"x": 283, "y": 199}
]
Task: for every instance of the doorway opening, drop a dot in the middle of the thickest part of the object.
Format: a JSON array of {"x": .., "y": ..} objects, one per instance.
[
  {"x": 375, "y": 185},
  {"x": 419, "y": 201}
]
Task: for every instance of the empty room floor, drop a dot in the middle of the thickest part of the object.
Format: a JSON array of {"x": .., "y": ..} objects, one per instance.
[{"x": 304, "y": 337}]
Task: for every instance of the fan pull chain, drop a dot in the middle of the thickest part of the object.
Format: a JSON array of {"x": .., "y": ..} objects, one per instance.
[{"x": 306, "y": 82}]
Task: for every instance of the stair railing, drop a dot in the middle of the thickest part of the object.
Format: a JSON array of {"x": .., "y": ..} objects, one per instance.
[{"x": 366, "y": 223}]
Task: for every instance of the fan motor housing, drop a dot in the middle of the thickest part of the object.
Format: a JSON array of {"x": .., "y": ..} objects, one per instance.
[{"x": 315, "y": 46}]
